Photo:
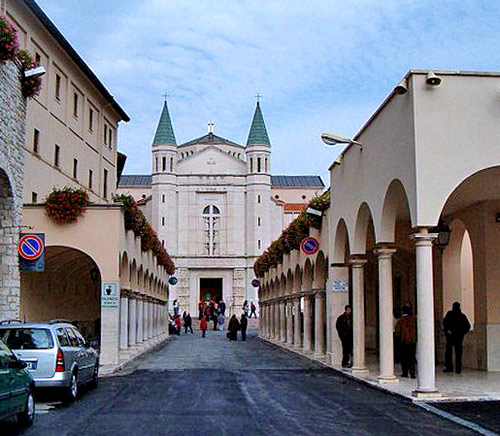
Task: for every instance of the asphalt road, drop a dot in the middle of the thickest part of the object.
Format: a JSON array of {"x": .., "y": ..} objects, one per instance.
[{"x": 195, "y": 386}]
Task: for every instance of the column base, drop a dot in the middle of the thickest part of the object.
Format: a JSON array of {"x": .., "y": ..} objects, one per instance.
[
  {"x": 319, "y": 355},
  {"x": 358, "y": 370},
  {"x": 388, "y": 380},
  {"x": 426, "y": 394}
]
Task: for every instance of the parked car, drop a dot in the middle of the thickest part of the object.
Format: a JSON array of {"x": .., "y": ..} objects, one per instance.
[
  {"x": 56, "y": 354},
  {"x": 16, "y": 388}
]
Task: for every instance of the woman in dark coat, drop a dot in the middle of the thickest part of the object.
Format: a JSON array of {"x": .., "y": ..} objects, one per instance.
[{"x": 233, "y": 328}]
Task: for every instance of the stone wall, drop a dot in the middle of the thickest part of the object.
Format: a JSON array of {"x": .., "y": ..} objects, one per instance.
[{"x": 12, "y": 131}]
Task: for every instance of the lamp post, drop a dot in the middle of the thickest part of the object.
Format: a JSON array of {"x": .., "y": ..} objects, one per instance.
[
  {"x": 332, "y": 139},
  {"x": 443, "y": 232}
]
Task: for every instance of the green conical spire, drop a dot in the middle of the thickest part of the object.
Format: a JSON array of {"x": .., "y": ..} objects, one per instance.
[
  {"x": 258, "y": 132},
  {"x": 165, "y": 132}
]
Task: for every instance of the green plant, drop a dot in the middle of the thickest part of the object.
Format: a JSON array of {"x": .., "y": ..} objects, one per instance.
[
  {"x": 9, "y": 44},
  {"x": 30, "y": 86}
]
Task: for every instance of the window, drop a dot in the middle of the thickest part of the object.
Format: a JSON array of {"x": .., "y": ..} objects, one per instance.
[
  {"x": 163, "y": 163},
  {"x": 61, "y": 337},
  {"x": 105, "y": 134},
  {"x": 251, "y": 164},
  {"x": 211, "y": 217},
  {"x": 36, "y": 140},
  {"x": 34, "y": 197},
  {"x": 91, "y": 174},
  {"x": 27, "y": 338},
  {"x": 258, "y": 244},
  {"x": 58, "y": 87},
  {"x": 162, "y": 220},
  {"x": 38, "y": 59},
  {"x": 75, "y": 168},
  {"x": 171, "y": 164},
  {"x": 91, "y": 120},
  {"x": 73, "y": 340},
  {"x": 57, "y": 153},
  {"x": 258, "y": 221},
  {"x": 259, "y": 164},
  {"x": 105, "y": 184},
  {"x": 258, "y": 198},
  {"x": 81, "y": 340},
  {"x": 75, "y": 105},
  {"x": 265, "y": 167},
  {"x": 163, "y": 198},
  {"x": 110, "y": 137}
]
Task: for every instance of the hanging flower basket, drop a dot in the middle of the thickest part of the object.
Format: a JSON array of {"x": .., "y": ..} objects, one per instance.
[
  {"x": 65, "y": 205},
  {"x": 9, "y": 44},
  {"x": 30, "y": 86}
]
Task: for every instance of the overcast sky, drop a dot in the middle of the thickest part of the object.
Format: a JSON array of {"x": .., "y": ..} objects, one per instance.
[{"x": 320, "y": 65}]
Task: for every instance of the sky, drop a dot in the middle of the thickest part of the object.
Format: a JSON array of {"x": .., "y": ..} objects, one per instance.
[{"x": 320, "y": 65}]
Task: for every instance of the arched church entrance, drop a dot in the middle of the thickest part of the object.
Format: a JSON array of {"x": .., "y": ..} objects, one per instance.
[{"x": 69, "y": 288}]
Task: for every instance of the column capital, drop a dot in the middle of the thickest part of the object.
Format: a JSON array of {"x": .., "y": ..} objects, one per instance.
[
  {"x": 358, "y": 260},
  {"x": 319, "y": 293},
  {"x": 423, "y": 238},
  {"x": 384, "y": 252}
]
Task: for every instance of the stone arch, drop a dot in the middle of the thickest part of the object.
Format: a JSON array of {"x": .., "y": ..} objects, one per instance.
[
  {"x": 364, "y": 219},
  {"x": 282, "y": 284},
  {"x": 320, "y": 271},
  {"x": 395, "y": 207},
  {"x": 125, "y": 271},
  {"x": 289, "y": 281},
  {"x": 307, "y": 277},
  {"x": 341, "y": 243},
  {"x": 297, "y": 280},
  {"x": 133, "y": 275}
]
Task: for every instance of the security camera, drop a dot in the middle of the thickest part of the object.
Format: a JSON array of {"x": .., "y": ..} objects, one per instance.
[
  {"x": 432, "y": 79},
  {"x": 35, "y": 72},
  {"x": 402, "y": 87}
]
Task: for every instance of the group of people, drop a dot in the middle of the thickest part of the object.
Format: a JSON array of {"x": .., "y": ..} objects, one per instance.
[
  {"x": 249, "y": 310},
  {"x": 456, "y": 326}
]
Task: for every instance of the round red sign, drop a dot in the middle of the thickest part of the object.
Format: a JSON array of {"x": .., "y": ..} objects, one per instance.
[
  {"x": 309, "y": 245},
  {"x": 30, "y": 247}
]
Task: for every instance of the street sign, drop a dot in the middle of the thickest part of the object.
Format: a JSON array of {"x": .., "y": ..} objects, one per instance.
[
  {"x": 110, "y": 297},
  {"x": 340, "y": 286},
  {"x": 173, "y": 281},
  {"x": 255, "y": 283},
  {"x": 30, "y": 246},
  {"x": 309, "y": 245}
]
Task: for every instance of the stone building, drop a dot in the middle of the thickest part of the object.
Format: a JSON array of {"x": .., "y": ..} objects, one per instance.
[
  {"x": 216, "y": 206},
  {"x": 12, "y": 124}
]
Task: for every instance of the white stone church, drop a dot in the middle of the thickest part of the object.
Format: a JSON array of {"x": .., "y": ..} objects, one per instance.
[{"x": 217, "y": 207}]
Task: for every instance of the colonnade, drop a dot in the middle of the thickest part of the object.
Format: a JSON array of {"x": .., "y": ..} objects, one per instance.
[{"x": 141, "y": 318}]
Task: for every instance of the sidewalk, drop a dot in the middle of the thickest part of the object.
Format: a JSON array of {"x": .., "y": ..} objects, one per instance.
[{"x": 471, "y": 385}]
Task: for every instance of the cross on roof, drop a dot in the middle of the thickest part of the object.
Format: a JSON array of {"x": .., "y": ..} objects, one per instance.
[
  {"x": 211, "y": 125},
  {"x": 258, "y": 97},
  {"x": 165, "y": 96}
]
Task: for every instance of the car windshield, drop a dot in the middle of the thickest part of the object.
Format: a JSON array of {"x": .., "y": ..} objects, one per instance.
[{"x": 27, "y": 338}]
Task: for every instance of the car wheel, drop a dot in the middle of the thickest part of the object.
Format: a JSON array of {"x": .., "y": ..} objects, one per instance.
[
  {"x": 26, "y": 417},
  {"x": 95, "y": 377},
  {"x": 72, "y": 389}
]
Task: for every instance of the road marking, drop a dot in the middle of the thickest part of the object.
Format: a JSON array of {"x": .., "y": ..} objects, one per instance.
[{"x": 450, "y": 417}]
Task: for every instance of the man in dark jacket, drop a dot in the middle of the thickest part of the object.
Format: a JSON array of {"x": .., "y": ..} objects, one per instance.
[
  {"x": 456, "y": 326},
  {"x": 344, "y": 329},
  {"x": 406, "y": 336},
  {"x": 188, "y": 323},
  {"x": 243, "y": 327}
]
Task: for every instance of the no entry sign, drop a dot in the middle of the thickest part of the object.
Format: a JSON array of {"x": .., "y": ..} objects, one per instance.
[
  {"x": 309, "y": 245},
  {"x": 30, "y": 246},
  {"x": 255, "y": 283}
]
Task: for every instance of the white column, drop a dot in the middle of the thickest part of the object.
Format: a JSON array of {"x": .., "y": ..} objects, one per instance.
[
  {"x": 319, "y": 324},
  {"x": 308, "y": 325},
  {"x": 124, "y": 323},
  {"x": 297, "y": 334},
  {"x": 151, "y": 319},
  {"x": 358, "y": 314},
  {"x": 386, "y": 330},
  {"x": 282, "y": 321},
  {"x": 289, "y": 321},
  {"x": 276, "y": 318},
  {"x": 140, "y": 322},
  {"x": 132, "y": 321},
  {"x": 265, "y": 320},
  {"x": 426, "y": 381},
  {"x": 145, "y": 320}
]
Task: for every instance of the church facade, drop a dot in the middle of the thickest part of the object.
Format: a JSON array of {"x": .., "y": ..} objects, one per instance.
[{"x": 217, "y": 207}]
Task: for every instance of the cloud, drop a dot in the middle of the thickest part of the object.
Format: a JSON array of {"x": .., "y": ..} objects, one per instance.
[{"x": 320, "y": 65}]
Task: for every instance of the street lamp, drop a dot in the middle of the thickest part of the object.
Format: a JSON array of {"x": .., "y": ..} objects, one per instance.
[
  {"x": 332, "y": 139},
  {"x": 443, "y": 232}
]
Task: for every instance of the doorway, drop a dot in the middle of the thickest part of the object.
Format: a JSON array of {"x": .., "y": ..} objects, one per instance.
[{"x": 211, "y": 289}]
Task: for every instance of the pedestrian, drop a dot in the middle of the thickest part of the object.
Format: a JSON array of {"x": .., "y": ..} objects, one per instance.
[
  {"x": 201, "y": 309},
  {"x": 344, "y": 330},
  {"x": 221, "y": 320},
  {"x": 178, "y": 325},
  {"x": 245, "y": 307},
  {"x": 188, "y": 323},
  {"x": 222, "y": 307},
  {"x": 177, "y": 308},
  {"x": 233, "y": 328},
  {"x": 253, "y": 309},
  {"x": 456, "y": 326},
  {"x": 203, "y": 326},
  {"x": 215, "y": 318},
  {"x": 406, "y": 335},
  {"x": 243, "y": 327}
]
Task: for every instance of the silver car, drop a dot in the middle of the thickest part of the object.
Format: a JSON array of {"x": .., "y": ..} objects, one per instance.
[{"x": 56, "y": 354}]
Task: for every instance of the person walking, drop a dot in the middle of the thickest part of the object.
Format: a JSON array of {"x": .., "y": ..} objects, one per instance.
[
  {"x": 245, "y": 307},
  {"x": 344, "y": 330},
  {"x": 177, "y": 308},
  {"x": 178, "y": 325},
  {"x": 222, "y": 307},
  {"x": 233, "y": 328},
  {"x": 201, "y": 309},
  {"x": 406, "y": 335},
  {"x": 456, "y": 326},
  {"x": 221, "y": 320},
  {"x": 243, "y": 327},
  {"x": 203, "y": 326},
  {"x": 188, "y": 323},
  {"x": 253, "y": 309}
]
